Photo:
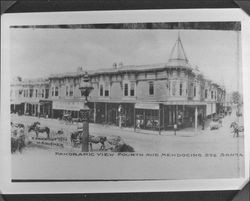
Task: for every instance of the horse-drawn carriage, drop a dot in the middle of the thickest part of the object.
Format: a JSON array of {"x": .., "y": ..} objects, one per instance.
[{"x": 67, "y": 117}]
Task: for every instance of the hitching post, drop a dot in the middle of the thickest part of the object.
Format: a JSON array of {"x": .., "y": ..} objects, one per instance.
[{"x": 85, "y": 91}]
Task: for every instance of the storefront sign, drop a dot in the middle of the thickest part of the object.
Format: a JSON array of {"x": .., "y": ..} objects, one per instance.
[
  {"x": 48, "y": 142},
  {"x": 150, "y": 106},
  {"x": 74, "y": 106}
]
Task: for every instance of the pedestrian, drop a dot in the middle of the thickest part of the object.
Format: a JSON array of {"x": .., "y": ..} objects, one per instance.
[
  {"x": 175, "y": 128},
  {"x": 203, "y": 123}
]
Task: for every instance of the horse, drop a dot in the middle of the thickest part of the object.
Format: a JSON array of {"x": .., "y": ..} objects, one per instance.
[
  {"x": 236, "y": 128},
  {"x": 97, "y": 140},
  {"x": 76, "y": 139},
  {"x": 35, "y": 127}
]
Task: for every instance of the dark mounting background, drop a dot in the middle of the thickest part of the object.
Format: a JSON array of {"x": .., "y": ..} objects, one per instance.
[{"x": 88, "y": 5}]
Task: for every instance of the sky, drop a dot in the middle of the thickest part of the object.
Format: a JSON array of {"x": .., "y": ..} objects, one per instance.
[{"x": 36, "y": 53}]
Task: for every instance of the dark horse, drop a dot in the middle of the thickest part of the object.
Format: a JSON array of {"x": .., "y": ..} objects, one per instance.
[{"x": 35, "y": 127}]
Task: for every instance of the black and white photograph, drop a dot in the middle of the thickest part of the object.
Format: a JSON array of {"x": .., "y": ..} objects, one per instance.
[{"x": 126, "y": 101}]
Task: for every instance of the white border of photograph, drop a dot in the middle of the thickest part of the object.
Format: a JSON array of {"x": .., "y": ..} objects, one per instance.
[{"x": 190, "y": 15}]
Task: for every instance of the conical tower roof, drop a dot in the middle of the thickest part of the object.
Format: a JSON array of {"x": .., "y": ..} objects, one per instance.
[{"x": 178, "y": 56}]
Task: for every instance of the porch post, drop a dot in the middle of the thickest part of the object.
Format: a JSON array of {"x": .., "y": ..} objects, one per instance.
[
  {"x": 106, "y": 113},
  {"x": 195, "y": 118},
  {"x": 163, "y": 116},
  {"x": 159, "y": 119},
  {"x": 94, "y": 112},
  {"x": 134, "y": 119},
  {"x": 25, "y": 107}
]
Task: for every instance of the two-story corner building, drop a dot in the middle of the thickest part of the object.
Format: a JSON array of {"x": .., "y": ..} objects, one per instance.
[
  {"x": 144, "y": 96},
  {"x": 33, "y": 97}
]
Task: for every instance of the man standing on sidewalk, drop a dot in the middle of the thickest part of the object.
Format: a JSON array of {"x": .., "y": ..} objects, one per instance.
[{"x": 203, "y": 123}]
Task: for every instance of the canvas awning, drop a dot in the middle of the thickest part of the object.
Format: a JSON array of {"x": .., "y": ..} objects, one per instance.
[
  {"x": 194, "y": 103},
  {"x": 63, "y": 105},
  {"x": 149, "y": 106}
]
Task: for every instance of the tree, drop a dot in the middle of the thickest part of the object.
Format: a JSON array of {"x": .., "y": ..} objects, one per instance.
[{"x": 236, "y": 97}]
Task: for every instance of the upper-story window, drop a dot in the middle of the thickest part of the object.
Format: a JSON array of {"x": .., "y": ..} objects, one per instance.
[
  {"x": 101, "y": 89},
  {"x": 36, "y": 91},
  {"x": 53, "y": 91},
  {"x": 173, "y": 88},
  {"x": 129, "y": 88},
  {"x": 132, "y": 89},
  {"x": 212, "y": 94},
  {"x": 194, "y": 91},
  {"x": 180, "y": 92},
  {"x": 67, "y": 90},
  {"x": 31, "y": 93},
  {"x": 106, "y": 91},
  {"x": 151, "y": 88},
  {"x": 43, "y": 91},
  {"x": 46, "y": 93},
  {"x": 56, "y": 91},
  {"x": 71, "y": 90},
  {"x": 126, "y": 89},
  {"x": 205, "y": 93}
]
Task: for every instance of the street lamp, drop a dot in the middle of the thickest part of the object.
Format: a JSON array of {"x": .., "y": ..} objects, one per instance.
[{"x": 85, "y": 89}]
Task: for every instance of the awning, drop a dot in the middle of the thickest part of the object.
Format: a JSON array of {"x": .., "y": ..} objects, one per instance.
[
  {"x": 194, "y": 103},
  {"x": 149, "y": 106},
  {"x": 63, "y": 105}
]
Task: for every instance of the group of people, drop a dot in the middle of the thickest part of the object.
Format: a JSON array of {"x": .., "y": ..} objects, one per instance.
[{"x": 17, "y": 137}]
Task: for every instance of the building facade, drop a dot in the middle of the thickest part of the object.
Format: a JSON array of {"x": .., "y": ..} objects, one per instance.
[
  {"x": 154, "y": 97},
  {"x": 31, "y": 97}
]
